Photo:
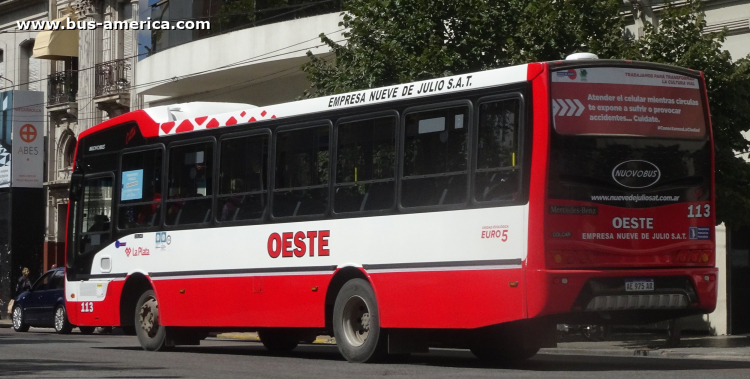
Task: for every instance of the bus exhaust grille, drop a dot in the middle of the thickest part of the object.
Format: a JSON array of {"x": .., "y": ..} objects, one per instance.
[{"x": 654, "y": 301}]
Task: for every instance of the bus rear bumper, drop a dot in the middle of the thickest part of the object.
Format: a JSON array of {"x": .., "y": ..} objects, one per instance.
[{"x": 591, "y": 295}]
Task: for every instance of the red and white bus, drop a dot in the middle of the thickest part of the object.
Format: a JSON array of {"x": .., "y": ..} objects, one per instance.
[{"x": 474, "y": 211}]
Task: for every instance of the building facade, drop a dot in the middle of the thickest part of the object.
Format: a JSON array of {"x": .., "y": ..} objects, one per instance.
[{"x": 92, "y": 84}]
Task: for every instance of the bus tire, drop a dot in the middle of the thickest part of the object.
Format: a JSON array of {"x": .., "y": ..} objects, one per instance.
[
  {"x": 62, "y": 325},
  {"x": 278, "y": 340},
  {"x": 356, "y": 323},
  {"x": 151, "y": 334},
  {"x": 87, "y": 330},
  {"x": 18, "y": 324}
]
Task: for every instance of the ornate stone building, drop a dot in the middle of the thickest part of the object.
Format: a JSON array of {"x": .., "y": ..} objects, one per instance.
[{"x": 83, "y": 90}]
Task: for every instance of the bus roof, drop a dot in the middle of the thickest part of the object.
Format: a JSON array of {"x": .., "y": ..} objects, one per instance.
[
  {"x": 154, "y": 122},
  {"x": 162, "y": 121}
]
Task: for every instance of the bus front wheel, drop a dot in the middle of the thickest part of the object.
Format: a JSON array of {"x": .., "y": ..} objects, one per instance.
[
  {"x": 356, "y": 323},
  {"x": 151, "y": 334}
]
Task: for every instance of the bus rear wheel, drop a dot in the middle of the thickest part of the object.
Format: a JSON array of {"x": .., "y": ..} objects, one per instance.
[
  {"x": 278, "y": 340},
  {"x": 151, "y": 334},
  {"x": 356, "y": 323}
]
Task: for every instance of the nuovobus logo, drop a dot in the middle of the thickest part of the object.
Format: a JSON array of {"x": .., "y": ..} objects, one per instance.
[{"x": 636, "y": 174}]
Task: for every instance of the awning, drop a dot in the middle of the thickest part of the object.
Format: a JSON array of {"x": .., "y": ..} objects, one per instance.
[{"x": 56, "y": 44}]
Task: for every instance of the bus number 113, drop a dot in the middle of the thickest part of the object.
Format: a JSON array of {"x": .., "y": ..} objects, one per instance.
[{"x": 87, "y": 307}]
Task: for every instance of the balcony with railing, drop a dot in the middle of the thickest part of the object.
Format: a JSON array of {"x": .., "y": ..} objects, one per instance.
[
  {"x": 218, "y": 17},
  {"x": 112, "y": 77},
  {"x": 112, "y": 86},
  {"x": 62, "y": 87},
  {"x": 62, "y": 90}
]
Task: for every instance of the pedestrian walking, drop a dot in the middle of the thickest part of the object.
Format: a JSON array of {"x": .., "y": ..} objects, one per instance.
[{"x": 24, "y": 283}]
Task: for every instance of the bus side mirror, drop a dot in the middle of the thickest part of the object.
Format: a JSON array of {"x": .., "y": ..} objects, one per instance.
[{"x": 76, "y": 185}]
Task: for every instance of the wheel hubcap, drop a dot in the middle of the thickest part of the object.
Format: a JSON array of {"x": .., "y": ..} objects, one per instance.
[
  {"x": 356, "y": 321},
  {"x": 59, "y": 319},
  {"x": 149, "y": 317},
  {"x": 17, "y": 318}
]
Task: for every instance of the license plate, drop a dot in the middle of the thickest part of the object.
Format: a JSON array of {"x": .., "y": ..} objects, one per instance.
[{"x": 632, "y": 285}]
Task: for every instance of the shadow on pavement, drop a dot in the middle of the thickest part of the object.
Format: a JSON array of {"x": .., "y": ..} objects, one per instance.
[
  {"x": 464, "y": 359},
  {"x": 32, "y": 339},
  {"x": 55, "y": 368}
]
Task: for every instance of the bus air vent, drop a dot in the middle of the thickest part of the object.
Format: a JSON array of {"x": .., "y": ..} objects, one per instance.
[{"x": 624, "y": 302}]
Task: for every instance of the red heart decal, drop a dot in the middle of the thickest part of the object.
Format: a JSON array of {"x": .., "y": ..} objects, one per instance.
[
  {"x": 167, "y": 127},
  {"x": 201, "y": 120},
  {"x": 185, "y": 126},
  {"x": 212, "y": 124}
]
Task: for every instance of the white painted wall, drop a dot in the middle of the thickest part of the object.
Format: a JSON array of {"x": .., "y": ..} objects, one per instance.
[{"x": 262, "y": 44}]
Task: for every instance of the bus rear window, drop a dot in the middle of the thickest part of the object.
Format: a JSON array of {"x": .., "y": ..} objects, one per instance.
[{"x": 627, "y": 102}]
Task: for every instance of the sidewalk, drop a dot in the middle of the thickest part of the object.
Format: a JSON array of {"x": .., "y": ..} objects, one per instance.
[
  {"x": 726, "y": 348},
  {"x": 6, "y": 323}
]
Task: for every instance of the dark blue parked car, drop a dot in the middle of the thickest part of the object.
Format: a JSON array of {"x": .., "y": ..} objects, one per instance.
[{"x": 44, "y": 305}]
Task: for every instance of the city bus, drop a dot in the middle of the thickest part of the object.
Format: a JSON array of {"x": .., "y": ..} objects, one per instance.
[{"x": 472, "y": 211}]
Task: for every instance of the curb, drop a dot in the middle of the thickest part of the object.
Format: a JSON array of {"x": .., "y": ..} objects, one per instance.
[
  {"x": 324, "y": 340},
  {"x": 645, "y": 353}
]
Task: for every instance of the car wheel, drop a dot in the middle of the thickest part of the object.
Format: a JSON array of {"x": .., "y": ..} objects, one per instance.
[
  {"x": 62, "y": 326},
  {"x": 356, "y": 323},
  {"x": 151, "y": 334},
  {"x": 18, "y": 324},
  {"x": 87, "y": 329},
  {"x": 278, "y": 341}
]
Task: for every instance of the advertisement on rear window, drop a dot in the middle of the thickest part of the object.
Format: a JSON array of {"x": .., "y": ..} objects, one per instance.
[{"x": 627, "y": 102}]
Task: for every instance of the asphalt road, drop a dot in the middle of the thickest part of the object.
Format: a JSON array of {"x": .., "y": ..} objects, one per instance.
[{"x": 41, "y": 353}]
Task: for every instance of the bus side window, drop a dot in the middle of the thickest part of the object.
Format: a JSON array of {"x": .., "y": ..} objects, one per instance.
[
  {"x": 435, "y": 157},
  {"x": 497, "y": 174},
  {"x": 365, "y": 165},
  {"x": 243, "y": 178},
  {"x": 301, "y": 172},
  {"x": 189, "y": 194},
  {"x": 140, "y": 189}
]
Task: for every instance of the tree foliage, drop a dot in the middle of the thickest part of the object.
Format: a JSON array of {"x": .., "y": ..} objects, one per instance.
[
  {"x": 681, "y": 40},
  {"x": 397, "y": 41}
]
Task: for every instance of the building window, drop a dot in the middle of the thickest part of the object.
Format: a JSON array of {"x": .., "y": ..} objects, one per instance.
[
  {"x": 69, "y": 152},
  {"x": 28, "y": 67}
]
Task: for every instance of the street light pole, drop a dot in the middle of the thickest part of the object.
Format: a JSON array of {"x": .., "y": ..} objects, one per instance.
[{"x": 11, "y": 82}]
